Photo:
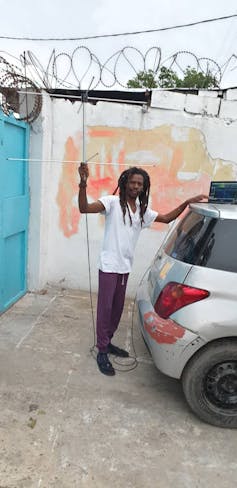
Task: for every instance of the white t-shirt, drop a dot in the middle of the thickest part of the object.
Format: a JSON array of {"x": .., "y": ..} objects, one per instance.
[{"x": 120, "y": 239}]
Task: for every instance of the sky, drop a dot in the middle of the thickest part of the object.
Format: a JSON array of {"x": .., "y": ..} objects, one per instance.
[{"x": 44, "y": 18}]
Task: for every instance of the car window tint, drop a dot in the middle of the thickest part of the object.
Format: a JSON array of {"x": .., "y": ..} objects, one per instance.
[{"x": 204, "y": 241}]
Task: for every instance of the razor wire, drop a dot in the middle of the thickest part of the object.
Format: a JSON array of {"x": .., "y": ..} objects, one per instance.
[
  {"x": 82, "y": 68},
  {"x": 14, "y": 87}
]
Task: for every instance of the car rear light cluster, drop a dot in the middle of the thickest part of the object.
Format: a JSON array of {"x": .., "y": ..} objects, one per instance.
[{"x": 175, "y": 296}]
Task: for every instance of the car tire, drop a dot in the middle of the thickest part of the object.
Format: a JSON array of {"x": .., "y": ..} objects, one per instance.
[{"x": 210, "y": 383}]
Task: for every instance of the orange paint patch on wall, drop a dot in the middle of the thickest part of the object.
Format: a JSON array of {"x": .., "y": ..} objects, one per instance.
[
  {"x": 176, "y": 162},
  {"x": 183, "y": 168},
  {"x": 100, "y": 132},
  {"x": 68, "y": 187}
]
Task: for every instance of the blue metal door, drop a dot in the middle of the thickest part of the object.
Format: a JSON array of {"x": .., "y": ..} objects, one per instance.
[{"x": 14, "y": 209}]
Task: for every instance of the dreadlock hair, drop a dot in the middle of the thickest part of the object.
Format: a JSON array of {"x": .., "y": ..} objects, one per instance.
[{"x": 143, "y": 197}]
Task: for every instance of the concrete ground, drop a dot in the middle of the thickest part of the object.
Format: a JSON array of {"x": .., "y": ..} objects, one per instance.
[{"x": 65, "y": 425}]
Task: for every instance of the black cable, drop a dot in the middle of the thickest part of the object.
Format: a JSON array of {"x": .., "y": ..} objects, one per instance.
[
  {"x": 127, "y": 366},
  {"x": 90, "y": 288},
  {"x": 161, "y": 29},
  {"x": 134, "y": 363}
]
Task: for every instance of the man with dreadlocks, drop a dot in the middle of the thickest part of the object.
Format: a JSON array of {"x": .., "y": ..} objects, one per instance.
[{"x": 125, "y": 216}]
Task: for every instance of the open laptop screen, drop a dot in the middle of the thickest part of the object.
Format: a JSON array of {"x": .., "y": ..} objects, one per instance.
[{"x": 223, "y": 192}]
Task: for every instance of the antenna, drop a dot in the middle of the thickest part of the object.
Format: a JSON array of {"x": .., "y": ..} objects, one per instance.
[{"x": 84, "y": 100}]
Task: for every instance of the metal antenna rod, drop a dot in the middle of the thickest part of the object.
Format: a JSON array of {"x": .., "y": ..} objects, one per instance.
[
  {"x": 84, "y": 99},
  {"x": 36, "y": 160},
  {"x": 88, "y": 161}
]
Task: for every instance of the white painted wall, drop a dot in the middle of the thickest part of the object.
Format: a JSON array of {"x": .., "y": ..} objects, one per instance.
[
  {"x": 57, "y": 259},
  {"x": 39, "y": 174}
]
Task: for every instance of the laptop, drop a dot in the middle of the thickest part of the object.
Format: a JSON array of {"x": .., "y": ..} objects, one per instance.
[{"x": 223, "y": 192}]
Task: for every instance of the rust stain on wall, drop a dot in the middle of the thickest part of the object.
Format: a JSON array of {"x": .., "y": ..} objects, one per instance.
[{"x": 183, "y": 167}]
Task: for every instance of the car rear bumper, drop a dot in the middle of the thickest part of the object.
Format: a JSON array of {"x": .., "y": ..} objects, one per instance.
[{"x": 170, "y": 344}]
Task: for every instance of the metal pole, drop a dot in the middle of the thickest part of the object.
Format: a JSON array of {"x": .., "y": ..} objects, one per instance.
[
  {"x": 83, "y": 101},
  {"x": 84, "y": 98}
]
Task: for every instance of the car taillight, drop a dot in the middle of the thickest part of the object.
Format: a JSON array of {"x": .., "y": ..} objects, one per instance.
[{"x": 175, "y": 296}]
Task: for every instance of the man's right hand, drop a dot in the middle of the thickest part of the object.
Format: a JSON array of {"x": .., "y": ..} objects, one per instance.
[{"x": 83, "y": 172}]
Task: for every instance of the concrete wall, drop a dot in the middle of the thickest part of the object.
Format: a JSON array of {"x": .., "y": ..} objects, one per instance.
[{"x": 183, "y": 141}]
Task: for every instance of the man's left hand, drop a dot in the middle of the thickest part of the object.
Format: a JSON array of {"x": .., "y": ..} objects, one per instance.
[{"x": 196, "y": 199}]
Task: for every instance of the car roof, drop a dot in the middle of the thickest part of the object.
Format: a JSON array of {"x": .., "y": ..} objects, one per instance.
[{"x": 215, "y": 210}]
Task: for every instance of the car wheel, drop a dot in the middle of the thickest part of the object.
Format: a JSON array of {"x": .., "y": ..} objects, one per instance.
[{"x": 210, "y": 383}]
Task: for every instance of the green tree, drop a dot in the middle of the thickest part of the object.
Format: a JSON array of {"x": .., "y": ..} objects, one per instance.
[
  {"x": 197, "y": 79},
  {"x": 144, "y": 79},
  {"x": 168, "y": 78}
]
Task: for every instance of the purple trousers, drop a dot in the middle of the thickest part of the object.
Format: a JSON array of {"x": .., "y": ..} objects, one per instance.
[{"x": 111, "y": 296}]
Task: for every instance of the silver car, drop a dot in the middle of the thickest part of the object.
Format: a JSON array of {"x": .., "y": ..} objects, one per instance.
[{"x": 187, "y": 310}]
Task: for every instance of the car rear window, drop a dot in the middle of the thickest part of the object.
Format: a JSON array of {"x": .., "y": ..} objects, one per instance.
[{"x": 204, "y": 241}]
